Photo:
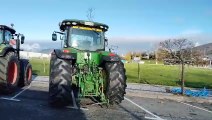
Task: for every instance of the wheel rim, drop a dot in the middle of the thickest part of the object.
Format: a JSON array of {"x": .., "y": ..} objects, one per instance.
[
  {"x": 29, "y": 74},
  {"x": 12, "y": 72}
]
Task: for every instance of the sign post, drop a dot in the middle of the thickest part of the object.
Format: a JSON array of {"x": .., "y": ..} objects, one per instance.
[{"x": 137, "y": 59}]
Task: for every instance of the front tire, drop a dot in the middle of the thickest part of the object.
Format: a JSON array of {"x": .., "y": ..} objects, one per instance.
[
  {"x": 25, "y": 73},
  {"x": 60, "y": 82}
]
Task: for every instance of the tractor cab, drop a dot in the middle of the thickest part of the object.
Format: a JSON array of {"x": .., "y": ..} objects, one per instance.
[
  {"x": 6, "y": 34},
  {"x": 82, "y": 35}
]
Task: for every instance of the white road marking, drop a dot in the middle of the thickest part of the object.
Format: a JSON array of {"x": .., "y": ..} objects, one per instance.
[
  {"x": 15, "y": 96},
  {"x": 156, "y": 117},
  {"x": 4, "y": 98},
  {"x": 151, "y": 118},
  {"x": 196, "y": 107},
  {"x": 73, "y": 99},
  {"x": 21, "y": 92}
]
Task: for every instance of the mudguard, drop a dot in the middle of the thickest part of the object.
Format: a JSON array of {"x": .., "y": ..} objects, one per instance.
[
  {"x": 5, "y": 50},
  {"x": 114, "y": 58},
  {"x": 62, "y": 55}
]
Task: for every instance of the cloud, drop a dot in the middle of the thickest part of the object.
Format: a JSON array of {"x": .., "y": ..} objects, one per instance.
[
  {"x": 191, "y": 32},
  {"x": 196, "y": 35},
  {"x": 127, "y": 43},
  {"x": 149, "y": 42},
  {"x": 31, "y": 47},
  {"x": 131, "y": 39},
  {"x": 135, "y": 43},
  {"x": 199, "y": 37}
]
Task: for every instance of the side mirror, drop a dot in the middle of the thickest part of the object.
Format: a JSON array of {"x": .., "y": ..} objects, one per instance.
[
  {"x": 106, "y": 42},
  {"x": 54, "y": 37},
  {"x": 22, "y": 39}
]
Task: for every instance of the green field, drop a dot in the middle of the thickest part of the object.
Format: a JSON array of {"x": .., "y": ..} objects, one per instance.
[
  {"x": 40, "y": 66},
  {"x": 149, "y": 74},
  {"x": 168, "y": 75}
]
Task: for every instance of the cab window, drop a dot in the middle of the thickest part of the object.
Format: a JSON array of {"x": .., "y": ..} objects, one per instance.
[
  {"x": 1, "y": 36},
  {"x": 8, "y": 35}
]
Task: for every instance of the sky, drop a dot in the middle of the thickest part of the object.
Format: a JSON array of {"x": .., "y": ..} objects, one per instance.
[{"x": 134, "y": 25}]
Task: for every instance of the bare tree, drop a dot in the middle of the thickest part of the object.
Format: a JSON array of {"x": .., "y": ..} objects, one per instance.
[
  {"x": 162, "y": 54},
  {"x": 90, "y": 14},
  {"x": 156, "y": 49},
  {"x": 179, "y": 49},
  {"x": 197, "y": 56},
  {"x": 128, "y": 56}
]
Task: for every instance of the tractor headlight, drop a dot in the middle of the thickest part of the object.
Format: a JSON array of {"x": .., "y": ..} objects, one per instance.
[
  {"x": 68, "y": 23},
  {"x": 74, "y": 23},
  {"x": 89, "y": 23}
]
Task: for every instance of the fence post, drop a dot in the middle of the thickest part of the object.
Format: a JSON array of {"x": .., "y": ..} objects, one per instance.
[
  {"x": 138, "y": 71},
  {"x": 44, "y": 68}
]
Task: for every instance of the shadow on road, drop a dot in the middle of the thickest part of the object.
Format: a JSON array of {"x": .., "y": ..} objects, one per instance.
[
  {"x": 132, "y": 114},
  {"x": 33, "y": 105}
]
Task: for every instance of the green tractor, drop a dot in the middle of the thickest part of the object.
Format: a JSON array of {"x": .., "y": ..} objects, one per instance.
[
  {"x": 14, "y": 72},
  {"x": 83, "y": 64}
]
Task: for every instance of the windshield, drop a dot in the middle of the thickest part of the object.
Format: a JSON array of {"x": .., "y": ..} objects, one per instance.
[
  {"x": 86, "y": 39},
  {"x": 1, "y": 36}
]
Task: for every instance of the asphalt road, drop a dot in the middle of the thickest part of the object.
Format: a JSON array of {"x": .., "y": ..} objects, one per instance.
[{"x": 31, "y": 103}]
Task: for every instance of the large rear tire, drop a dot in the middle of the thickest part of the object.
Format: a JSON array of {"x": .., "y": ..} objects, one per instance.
[
  {"x": 116, "y": 82},
  {"x": 9, "y": 72},
  {"x": 60, "y": 82}
]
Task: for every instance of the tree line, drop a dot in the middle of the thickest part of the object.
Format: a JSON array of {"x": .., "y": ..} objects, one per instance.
[
  {"x": 181, "y": 51},
  {"x": 172, "y": 51}
]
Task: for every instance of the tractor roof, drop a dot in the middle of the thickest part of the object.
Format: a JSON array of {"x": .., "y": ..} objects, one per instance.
[
  {"x": 8, "y": 28},
  {"x": 74, "y": 22}
]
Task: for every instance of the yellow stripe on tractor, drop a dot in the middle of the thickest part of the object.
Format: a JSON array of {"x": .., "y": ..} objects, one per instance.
[{"x": 87, "y": 28}]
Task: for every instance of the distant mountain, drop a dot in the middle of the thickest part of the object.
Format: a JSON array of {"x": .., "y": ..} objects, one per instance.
[
  {"x": 205, "y": 49},
  {"x": 46, "y": 51}
]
